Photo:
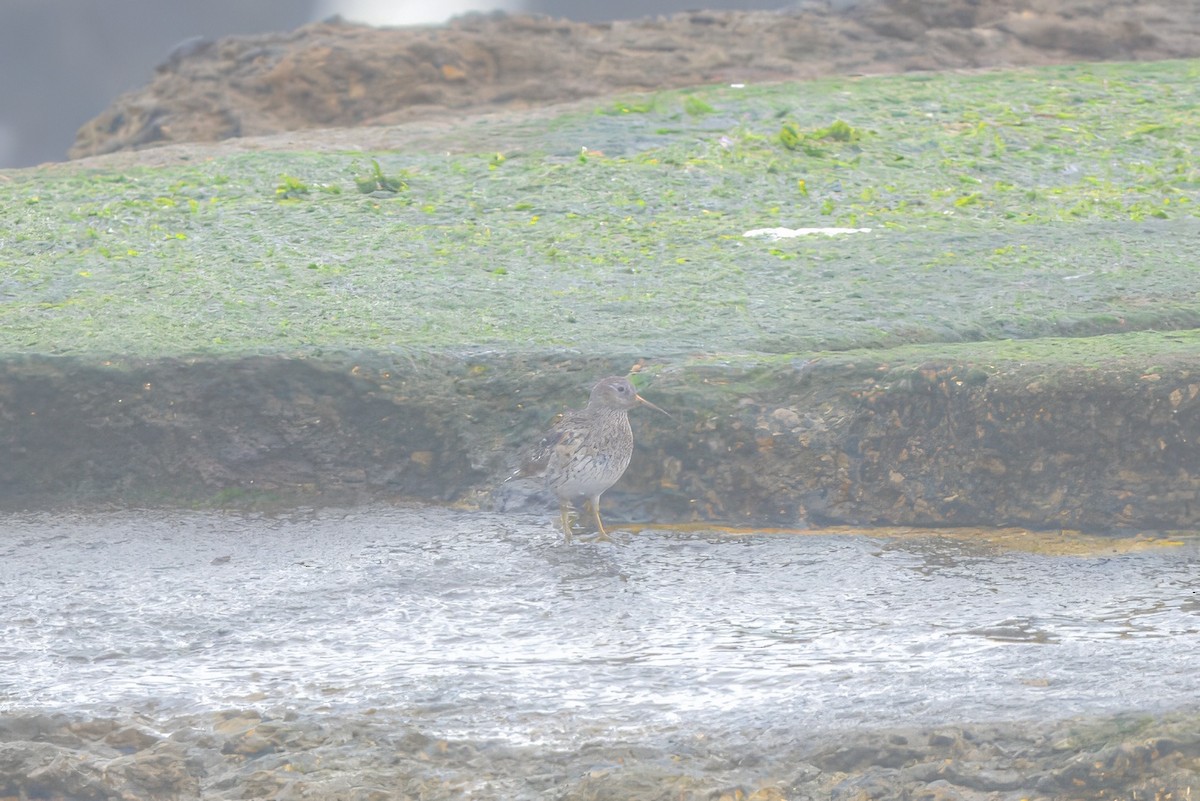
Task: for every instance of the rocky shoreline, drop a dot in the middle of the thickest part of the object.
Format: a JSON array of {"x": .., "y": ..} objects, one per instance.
[{"x": 247, "y": 753}]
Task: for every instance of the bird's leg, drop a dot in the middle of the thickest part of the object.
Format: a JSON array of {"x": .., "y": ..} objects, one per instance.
[
  {"x": 602, "y": 535},
  {"x": 564, "y": 511}
]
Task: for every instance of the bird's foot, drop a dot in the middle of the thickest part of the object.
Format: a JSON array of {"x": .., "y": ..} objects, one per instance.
[
  {"x": 605, "y": 536},
  {"x": 567, "y": 521}
]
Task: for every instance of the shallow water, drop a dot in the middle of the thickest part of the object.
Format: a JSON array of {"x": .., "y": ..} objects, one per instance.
[{"x": 483, "y": 626}]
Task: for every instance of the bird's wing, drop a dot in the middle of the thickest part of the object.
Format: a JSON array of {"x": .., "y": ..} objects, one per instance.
[{"x": 535, "y": 460}]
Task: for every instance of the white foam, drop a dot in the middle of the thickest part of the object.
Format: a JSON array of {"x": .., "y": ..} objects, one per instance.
[{"x": 790, "y": 233}]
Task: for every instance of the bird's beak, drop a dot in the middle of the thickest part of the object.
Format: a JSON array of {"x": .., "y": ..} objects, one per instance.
[{"x": 645, "y": 402}]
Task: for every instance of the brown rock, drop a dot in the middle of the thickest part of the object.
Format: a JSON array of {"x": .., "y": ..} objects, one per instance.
[{"x": 341, "y": 75}]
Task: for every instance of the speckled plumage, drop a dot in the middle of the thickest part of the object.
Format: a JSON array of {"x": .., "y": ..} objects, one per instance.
[{"x": 586, "y": 451}]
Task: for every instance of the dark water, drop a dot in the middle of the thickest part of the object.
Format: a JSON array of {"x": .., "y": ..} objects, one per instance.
[{"x": 486, "y": 626}]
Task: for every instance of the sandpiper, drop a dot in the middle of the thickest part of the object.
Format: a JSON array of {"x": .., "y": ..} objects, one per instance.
[{"x": 587, "y": 450}]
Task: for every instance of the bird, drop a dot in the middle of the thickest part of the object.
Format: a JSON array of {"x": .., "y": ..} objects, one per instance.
[{"x": 586, "y": 450}]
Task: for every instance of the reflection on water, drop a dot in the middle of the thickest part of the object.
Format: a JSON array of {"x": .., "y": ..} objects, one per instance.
[{"x": 489, "y": 626}]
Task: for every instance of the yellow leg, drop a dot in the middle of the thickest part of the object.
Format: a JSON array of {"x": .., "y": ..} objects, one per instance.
[
  {"x": 564, "y": 520},
  {"x": 602, "y": 535}
]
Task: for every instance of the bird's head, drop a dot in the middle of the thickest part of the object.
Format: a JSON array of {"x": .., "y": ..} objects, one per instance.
[{"x": 617, "y": 392}]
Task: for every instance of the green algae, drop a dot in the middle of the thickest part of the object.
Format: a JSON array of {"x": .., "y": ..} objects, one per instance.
[{"x": 1031, "y": 206}]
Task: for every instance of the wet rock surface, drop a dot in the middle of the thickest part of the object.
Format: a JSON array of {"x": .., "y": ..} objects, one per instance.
[
  {"x": 248, "y": 754},
  {"x": 427, "y": 653},
  {"x": 490, "y": 623},
  {"x": 945, "y": 444},
  {"x": 340, "y": 75}
]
